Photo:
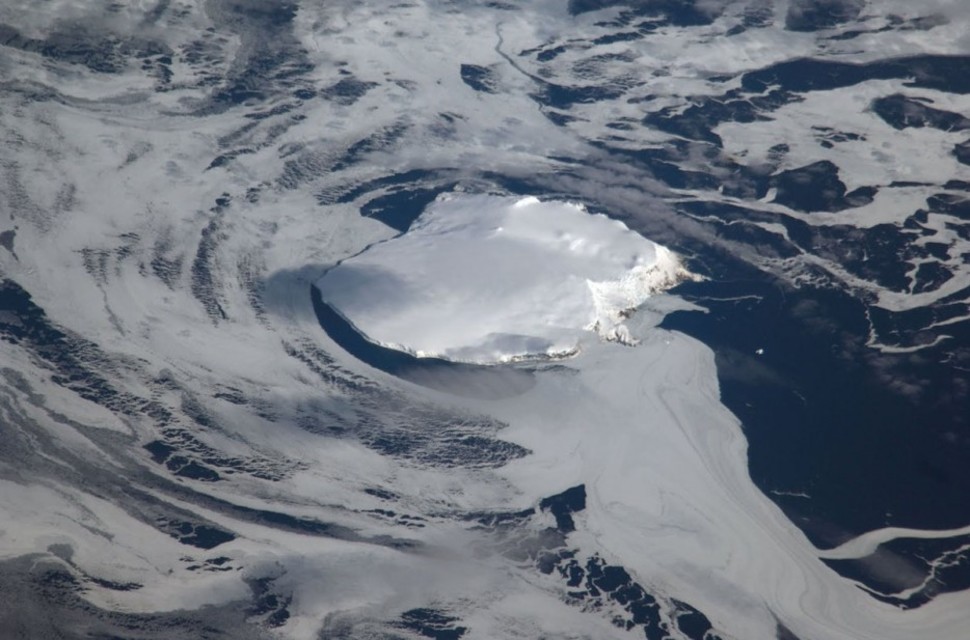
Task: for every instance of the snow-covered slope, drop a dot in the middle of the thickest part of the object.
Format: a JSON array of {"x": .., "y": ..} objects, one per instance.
[{"x": 495, "y": 279}]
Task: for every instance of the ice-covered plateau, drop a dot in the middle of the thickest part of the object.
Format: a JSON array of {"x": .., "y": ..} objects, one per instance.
[{"x": 486, "y": 279}]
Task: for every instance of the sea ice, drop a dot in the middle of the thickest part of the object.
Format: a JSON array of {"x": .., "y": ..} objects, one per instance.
[{"x": 484, "y": 278}]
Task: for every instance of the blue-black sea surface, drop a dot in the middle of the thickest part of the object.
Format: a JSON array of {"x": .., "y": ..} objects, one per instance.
[{"x": 823, "y": 416}]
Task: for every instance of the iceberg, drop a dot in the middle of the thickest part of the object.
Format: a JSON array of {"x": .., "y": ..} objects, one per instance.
[{"x": 491, "y": 279}]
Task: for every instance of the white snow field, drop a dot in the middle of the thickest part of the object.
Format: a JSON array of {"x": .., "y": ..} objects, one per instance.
[
  {"x": 167, "y": 219},
  {"x": 484, "y": 279},
  {"x": 487, "y": 279}
]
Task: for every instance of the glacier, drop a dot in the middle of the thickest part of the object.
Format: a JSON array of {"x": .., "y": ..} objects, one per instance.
[{"x": 490, "y": 279}]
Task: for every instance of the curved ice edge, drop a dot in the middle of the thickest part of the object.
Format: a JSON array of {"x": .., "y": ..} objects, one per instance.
[
  {"x": 527, "y": 358},
  {"x": 618, "y": 334}
]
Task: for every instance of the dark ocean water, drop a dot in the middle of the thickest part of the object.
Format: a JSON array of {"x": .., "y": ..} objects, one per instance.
[
  {"x": 821, "y": 417},
  {"x": 843, "y": 438},
  {"x": 873, "y": 439},
  {"x": 835, "y": 437}
]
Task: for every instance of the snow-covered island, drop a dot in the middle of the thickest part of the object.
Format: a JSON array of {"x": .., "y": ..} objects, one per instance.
[{"x": 488, "y": 279}]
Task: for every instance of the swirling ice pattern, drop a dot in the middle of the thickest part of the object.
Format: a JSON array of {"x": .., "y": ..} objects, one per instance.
[{"x": 186, "y": 452}]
